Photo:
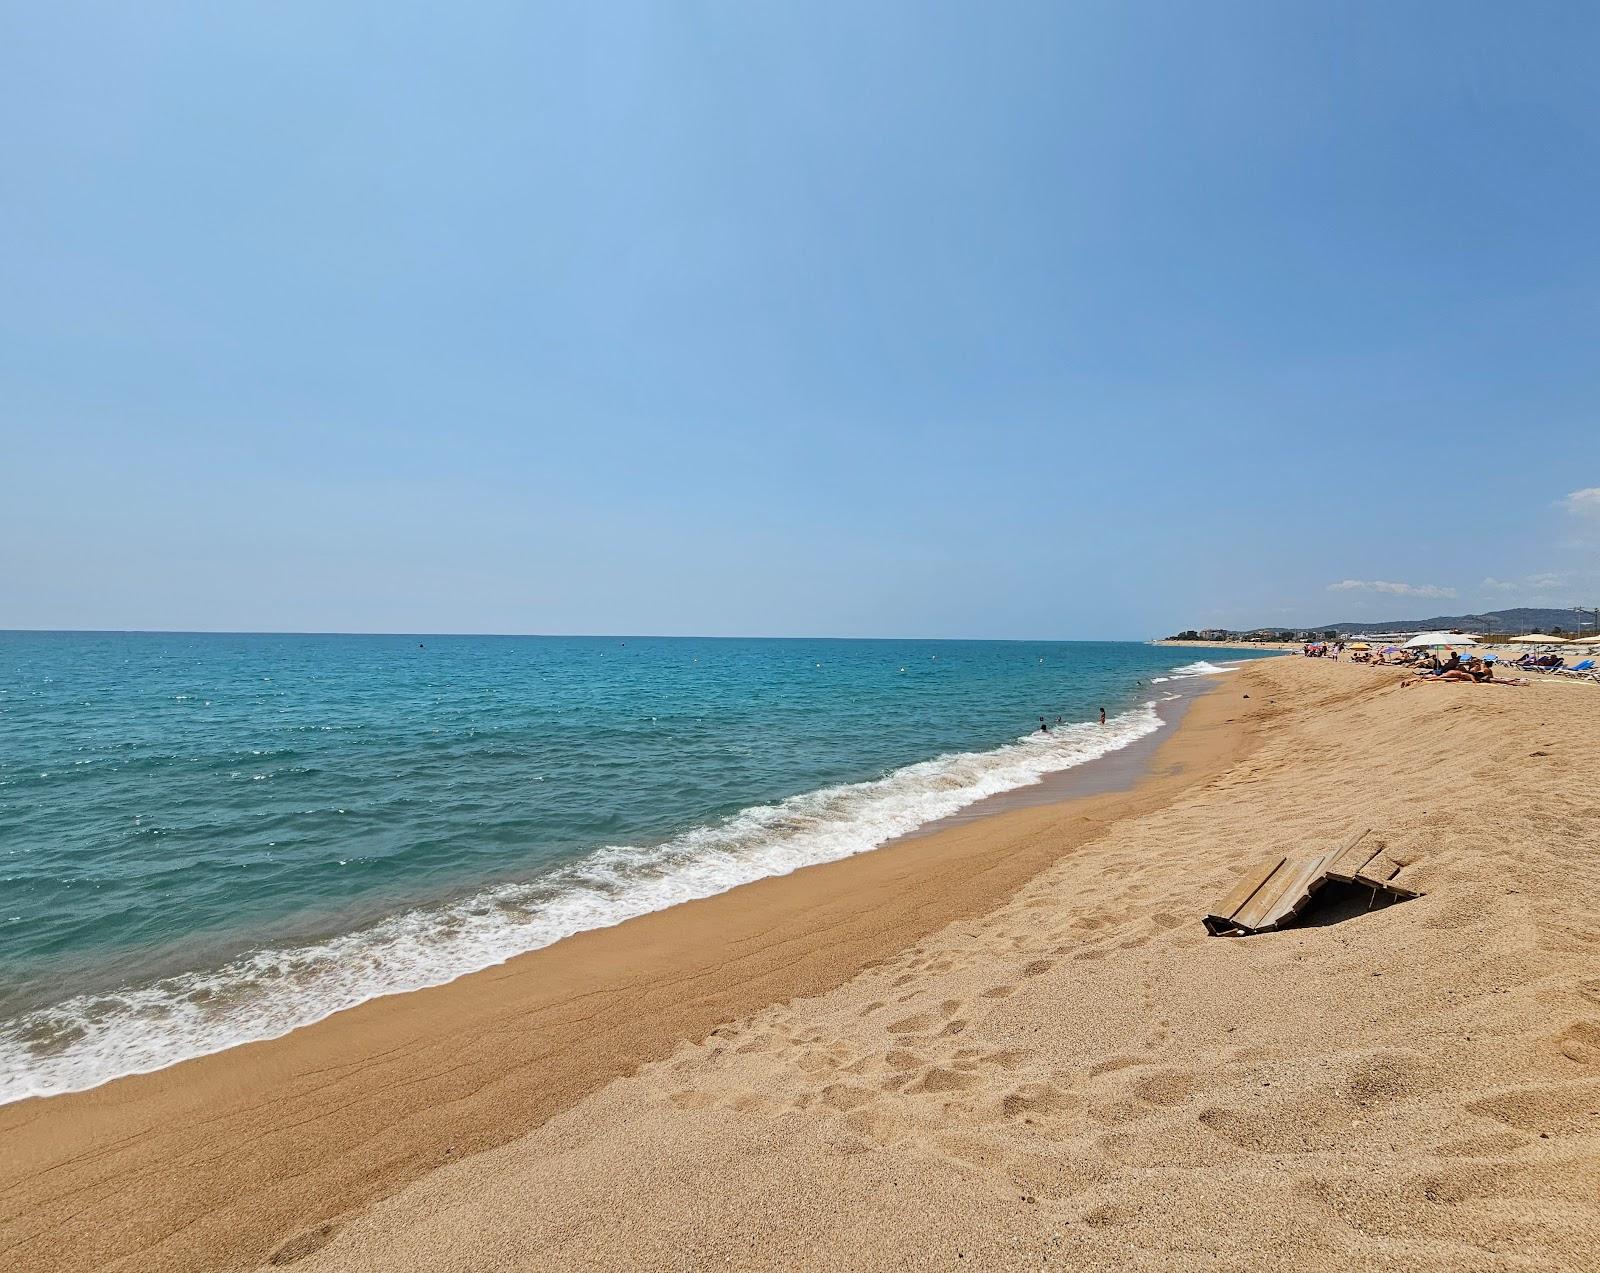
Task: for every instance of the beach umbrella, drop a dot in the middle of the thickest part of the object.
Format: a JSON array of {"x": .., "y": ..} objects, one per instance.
[
  {"x": 1425, "y": 639},
  {"x": 1538, "y": 638},
  {"x": 1358, "y": 645},
  {"x": 1588, "y": 640}
]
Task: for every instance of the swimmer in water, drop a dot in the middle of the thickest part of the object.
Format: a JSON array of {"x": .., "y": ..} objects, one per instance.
[
  {"x": 1102, "y": 716},
  {"x": 1043, "y": 728}
]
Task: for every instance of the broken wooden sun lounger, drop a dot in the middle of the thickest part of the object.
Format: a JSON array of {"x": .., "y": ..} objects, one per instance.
[{"x": 1273, "y": 892}]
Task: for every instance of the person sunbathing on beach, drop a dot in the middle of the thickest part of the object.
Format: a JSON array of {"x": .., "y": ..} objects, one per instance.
[
  {"x": 1475, "y": 670},
  {"x": 1449, "y": 670}
]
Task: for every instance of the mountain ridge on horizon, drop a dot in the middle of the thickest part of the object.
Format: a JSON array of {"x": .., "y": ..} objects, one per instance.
[{"x": 1514, "y": 619}]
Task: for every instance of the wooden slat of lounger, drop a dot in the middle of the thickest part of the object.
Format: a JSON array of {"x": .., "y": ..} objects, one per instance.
[
  {"x": 1379, "y": 870},
  {"x": 1298, "y": 893},
  {"x": 1282, "y": 895},
  {"x": 1245, "y": 888},
  {"x": 1346, "y": 862}
]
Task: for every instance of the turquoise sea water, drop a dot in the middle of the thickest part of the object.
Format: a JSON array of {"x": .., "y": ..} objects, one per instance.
[{"x": 211, "y": 838}]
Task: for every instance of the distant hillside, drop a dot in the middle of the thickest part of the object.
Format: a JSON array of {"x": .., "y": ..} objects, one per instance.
[{"x": 1519, "y": 619}]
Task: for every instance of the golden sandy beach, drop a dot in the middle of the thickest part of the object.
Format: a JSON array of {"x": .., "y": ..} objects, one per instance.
[{"x": 1009, "y": 1044}]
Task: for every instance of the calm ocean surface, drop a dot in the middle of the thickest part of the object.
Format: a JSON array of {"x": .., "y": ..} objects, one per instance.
[{"x": 206, "y": 839}]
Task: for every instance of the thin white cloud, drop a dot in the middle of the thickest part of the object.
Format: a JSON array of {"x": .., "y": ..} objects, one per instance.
[
  {"x": 1584, "y": 503},
  {"x": 1392, "y": 588},
  {"x": 1543, "y": 582}
]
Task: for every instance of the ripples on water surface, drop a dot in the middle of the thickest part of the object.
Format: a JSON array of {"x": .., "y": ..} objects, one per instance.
[{"x": 206, "y": 838}]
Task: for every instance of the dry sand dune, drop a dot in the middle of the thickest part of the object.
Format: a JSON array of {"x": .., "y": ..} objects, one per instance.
[{"x": 1082, "y": 1078}]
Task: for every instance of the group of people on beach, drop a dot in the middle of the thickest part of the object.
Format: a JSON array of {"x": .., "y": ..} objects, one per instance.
[
  {"x": 1455, "y": 668},
  {"x": 1429, "y": 664},
  {"x": 1473, "y": 669},
  {"x": 1397, "y": 658}
]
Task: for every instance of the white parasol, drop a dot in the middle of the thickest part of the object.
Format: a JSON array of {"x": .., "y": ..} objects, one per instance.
[{"x": 1425, "y": 639}]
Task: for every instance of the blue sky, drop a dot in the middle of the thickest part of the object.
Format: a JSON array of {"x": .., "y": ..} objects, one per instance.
[{"x": 1089, "y": 320}]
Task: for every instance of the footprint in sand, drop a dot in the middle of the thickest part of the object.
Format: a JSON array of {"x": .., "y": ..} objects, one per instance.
[
  {"x": 1048, "y": 1176},
  {"x": 941, "y": 1078},
  {"x": 1386, "y": 1076},
  {"x": 1112, "y": 1063},
  {"x": 1554, "y": 1109},
  {"x": 845, "y": 1096},
  {"x": 1301, "y": 1125},
  {"x": 1038, "y": 967},
  {"x": 998, "y": 992},
  {"x": 1165, "y": 1087},
  {"x": 303, "y": 1244},
  {"x": 1580, "y": 1042},
  {"x": 1494, "y": 1145},
  {"x": 1032, "y": 1101},
  {"x": 815, "y": 1062},
  {"x": 1107, "y": 1214},
  {"x": 880, "y": 1125}
]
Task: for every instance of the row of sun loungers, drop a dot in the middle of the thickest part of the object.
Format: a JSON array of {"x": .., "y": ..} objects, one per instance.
[{"x": 1585, "y": 670}]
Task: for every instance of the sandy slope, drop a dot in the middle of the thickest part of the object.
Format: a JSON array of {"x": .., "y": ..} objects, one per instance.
[{"x": 1081, "y": 1078}]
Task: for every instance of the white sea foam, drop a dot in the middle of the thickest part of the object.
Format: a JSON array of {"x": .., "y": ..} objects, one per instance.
[
  {"x": 90, "y": 1039},
  {"x": 1201, "y": 668}
]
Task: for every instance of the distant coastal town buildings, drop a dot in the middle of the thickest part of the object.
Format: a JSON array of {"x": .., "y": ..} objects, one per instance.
[
  {"x": 1558, "y": 621},
  {"x": 1254, "y": 634}
]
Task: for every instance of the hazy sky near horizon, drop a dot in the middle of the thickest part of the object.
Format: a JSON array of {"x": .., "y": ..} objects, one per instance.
[{"x": 1035, "y": 320}]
